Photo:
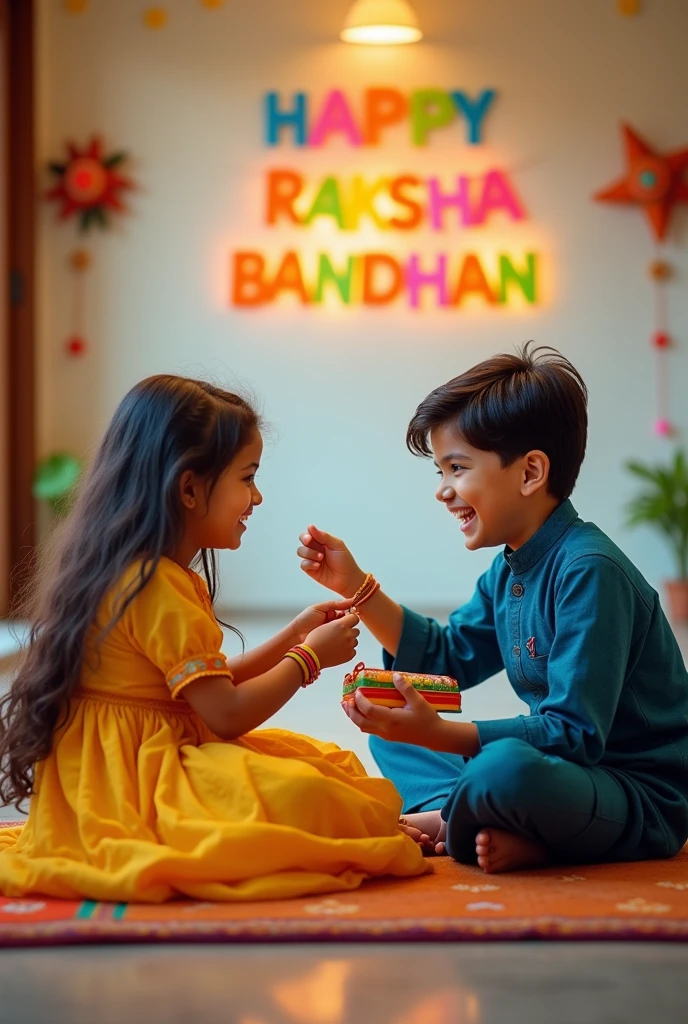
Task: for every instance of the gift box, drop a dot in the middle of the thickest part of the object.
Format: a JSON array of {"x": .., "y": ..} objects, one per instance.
[{"x": 377, "y": 684}]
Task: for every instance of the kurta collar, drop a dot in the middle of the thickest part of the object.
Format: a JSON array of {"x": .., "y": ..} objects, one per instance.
[{"x": 545, "y": 538}]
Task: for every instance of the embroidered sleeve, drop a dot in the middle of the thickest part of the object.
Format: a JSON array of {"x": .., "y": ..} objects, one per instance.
[
  {"x": 194, "y": 668},
  {"x": 171, "y": 623}
]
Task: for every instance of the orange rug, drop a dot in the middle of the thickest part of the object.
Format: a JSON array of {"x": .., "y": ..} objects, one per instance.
[{"x": 646, "y": 901}]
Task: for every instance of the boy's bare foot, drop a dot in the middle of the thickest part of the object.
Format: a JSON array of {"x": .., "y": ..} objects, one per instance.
[
  {"x": 427, "y": 828},
  {"x": 504, "y": 851}
]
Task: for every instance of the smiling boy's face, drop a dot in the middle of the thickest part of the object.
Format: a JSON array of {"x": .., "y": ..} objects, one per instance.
[{"x": 491, "y": 502}]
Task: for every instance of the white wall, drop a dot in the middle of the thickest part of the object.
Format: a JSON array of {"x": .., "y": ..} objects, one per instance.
[{"x": 341, "y": 386}]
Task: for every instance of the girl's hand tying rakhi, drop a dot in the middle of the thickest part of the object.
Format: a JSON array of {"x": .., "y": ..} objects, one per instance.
[
  {"x": 317, "y": 615},
  {"x": 416, "y": 723}
]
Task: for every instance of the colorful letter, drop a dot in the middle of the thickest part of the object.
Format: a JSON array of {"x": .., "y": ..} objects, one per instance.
[
  {"x": 284, "y": 188},
  {"x": 474, "y": 111},
  {"x": 472, "y": 280},
  {"x": 335, "y": 117},
  {"x": 328, "y": 275},
  {"x": 289, "y": 278},
  {"x": 327, "y": 203},
  {"x": 248, "y": 286},
  {"x": 497, "y": 195},
  {"x": 438, "y": 202},
  {"x": 524, "y": 279},
  {"x": 430, "y": 109},
  {"x": 381, "y": 296},
  {"x": 417, "y": 278},
  {"x": 382, "y": 107},
  {"x": 362, "y": 202},
  {"x": 415, "y": 209},
  {"x": 276, "y": 119}
]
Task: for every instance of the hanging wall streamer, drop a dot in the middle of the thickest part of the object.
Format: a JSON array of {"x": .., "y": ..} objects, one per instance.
[
  {"x": 656, "y": 183},
  {"x": 89, "y": 187}
]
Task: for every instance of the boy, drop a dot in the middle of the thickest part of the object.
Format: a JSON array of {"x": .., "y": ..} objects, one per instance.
[{"x": 599, "y": 769}]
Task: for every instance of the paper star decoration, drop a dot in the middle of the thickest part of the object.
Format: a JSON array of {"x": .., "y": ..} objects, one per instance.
[
  {"x": 89, "y": 184},
  {"x": 654, "y": 181}
]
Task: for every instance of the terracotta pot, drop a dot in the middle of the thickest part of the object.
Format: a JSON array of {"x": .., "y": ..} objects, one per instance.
[{"x": 677, "y": 595}]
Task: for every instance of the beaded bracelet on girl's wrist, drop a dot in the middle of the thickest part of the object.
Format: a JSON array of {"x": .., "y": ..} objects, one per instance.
[{"x": 307, "y": 660}]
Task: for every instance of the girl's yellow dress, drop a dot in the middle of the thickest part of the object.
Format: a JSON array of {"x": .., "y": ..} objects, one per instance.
[{"x": 139, "y": 800}]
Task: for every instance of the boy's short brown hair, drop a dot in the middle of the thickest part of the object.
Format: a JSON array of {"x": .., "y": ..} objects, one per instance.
[{"x": 513, "y": 404}]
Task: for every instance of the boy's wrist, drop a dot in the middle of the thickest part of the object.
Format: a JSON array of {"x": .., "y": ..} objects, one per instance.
[
  {"x": 443, "y": 738},
  {"x": 456, "y": 738},
  {"x": 355, "y": 584}
]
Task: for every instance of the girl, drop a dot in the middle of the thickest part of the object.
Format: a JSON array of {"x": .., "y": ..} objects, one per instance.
[{"x": 131, "y": 731}]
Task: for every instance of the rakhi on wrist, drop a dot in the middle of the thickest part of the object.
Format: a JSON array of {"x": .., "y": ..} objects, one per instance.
[
  {"x": 377, "y": 684},
  {"x": 367, "y": 589}
]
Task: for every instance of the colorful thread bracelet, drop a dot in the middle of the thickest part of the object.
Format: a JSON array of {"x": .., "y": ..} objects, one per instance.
[
  {"x": 368, "y": 588},
  {"x": 308, "y": 661},
  {"x": 303, "y": 665},
  {"x": 315, "y": 660}
]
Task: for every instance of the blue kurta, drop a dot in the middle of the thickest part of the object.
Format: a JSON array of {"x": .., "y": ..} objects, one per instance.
[{"x": 586, "y": 645}]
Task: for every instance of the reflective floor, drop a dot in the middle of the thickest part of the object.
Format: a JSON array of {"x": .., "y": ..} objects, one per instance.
[{"x": 516, "y": 983}]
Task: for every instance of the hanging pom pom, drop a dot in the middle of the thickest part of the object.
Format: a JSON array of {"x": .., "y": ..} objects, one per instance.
[
  {"x": 80, "y": 259},
  {"x": 660, "y": 339},
  {"x": 75, "y": 346},
  {"x": 660, "y": 270},
  {"x": 663, "y": 428},
  {"x": 155, "y": 18}
]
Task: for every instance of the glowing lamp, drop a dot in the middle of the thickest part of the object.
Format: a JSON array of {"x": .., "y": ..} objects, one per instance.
[{"x": 381, "y": 23}]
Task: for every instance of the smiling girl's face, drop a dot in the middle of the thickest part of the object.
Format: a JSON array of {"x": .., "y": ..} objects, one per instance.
[{"x": 219, "y": 521}]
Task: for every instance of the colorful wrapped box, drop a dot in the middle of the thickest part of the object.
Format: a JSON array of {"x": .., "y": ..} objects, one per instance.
[{"x": 377, "y": 684}]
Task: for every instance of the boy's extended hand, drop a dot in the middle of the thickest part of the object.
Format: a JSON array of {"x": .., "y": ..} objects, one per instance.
[
  {"x": 328, "y": 561},
  {"x": 416, "y": 723}
]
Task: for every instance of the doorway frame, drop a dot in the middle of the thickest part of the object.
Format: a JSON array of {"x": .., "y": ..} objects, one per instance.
[{"x": 19, "y": 201}]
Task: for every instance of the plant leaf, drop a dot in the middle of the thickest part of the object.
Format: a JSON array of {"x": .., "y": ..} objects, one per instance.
[{"x": 663, "y": 502}]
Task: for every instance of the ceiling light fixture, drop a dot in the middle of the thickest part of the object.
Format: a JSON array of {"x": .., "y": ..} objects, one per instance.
[{"x": 381, "y": 23}]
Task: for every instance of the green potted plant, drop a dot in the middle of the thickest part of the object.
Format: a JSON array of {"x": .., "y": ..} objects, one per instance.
[
  {"x": 55, "y": 481},
  {"x": 663, "y": 504}
]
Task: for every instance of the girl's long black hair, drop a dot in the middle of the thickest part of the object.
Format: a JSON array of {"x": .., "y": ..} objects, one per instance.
[{"x": 128, "y": 510}]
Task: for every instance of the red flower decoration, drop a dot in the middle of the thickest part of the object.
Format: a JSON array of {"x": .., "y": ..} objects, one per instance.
[{"x": 89, "y": 185}]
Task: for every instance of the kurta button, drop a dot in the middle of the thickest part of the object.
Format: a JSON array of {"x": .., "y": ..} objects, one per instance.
[
  {"x": 517, "y": 590},
  {"x": 517, "y": 651}
]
